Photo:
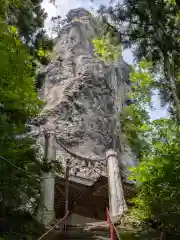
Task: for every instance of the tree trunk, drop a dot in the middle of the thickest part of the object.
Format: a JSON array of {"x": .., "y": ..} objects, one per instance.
[{"x": 172, "y": 82}]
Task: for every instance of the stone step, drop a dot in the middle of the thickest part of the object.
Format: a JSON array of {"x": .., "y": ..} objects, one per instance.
[
  {"x": 83, "y": 234},
  {"x": 82, "y": 238},
  {"x": 90, "y": 231},
  {"x": 102, "y": 226},
  {"x": 74, "y": 237}
]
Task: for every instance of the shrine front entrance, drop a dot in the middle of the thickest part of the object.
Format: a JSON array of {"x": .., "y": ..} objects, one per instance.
[{"x": 86, "y": 200}]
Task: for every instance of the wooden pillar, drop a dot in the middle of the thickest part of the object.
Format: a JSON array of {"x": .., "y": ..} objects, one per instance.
[
  {"x": 46, "y": 213},
  {"x": 117, "y": 202}
]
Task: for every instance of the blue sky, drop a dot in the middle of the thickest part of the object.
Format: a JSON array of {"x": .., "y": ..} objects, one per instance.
[{"x": 63, "y": 6}]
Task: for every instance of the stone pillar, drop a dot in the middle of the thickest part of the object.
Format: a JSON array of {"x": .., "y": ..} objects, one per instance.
[
  {"x": 67, "y": 188},
  {"x": 47, "y": 187},
  {"x": 117, "y": 202},
  {"x": 46, "y": 213}
]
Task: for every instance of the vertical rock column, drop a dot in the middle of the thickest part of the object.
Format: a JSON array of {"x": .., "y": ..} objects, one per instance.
[
  {"x": 46, "y": 213},
  {"x": 116, "y": 195}
]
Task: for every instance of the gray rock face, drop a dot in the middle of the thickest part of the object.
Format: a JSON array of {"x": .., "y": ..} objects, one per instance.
[
  {"x": 77, "y": 13},
  {"x": 83, "y": 98}
]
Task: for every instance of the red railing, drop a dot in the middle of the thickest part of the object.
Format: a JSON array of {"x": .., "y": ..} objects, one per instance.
[
  {"x": 113, "y": 232},
  {"x": 61, "y": 225}
]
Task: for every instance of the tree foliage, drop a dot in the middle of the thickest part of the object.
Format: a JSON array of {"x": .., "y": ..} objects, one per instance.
[
  {"x": 156, "y": 144},
  {"x": 28, "y": 18},
  {"x": 158, "y": 174},
  {"x": 18, "y": 102},
  {"x": 151, "y": 28},
  {"x": 19, "y": 169},
  {"x": 105, "y": 51},
  {"x": 135, "y": 116},
  {"x": 106, "y": 45}
]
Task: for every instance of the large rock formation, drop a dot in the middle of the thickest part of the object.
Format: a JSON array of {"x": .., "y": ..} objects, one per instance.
[{"x": 84, "y": 98}]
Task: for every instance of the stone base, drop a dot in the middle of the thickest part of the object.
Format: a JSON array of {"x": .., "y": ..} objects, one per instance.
[{"x": 49, "y": 217}]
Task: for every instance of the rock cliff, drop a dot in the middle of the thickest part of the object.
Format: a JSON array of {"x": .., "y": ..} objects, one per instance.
[{"x": 84, "y": 98}]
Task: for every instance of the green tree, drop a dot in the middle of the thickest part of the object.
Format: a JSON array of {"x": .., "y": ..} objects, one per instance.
[
  {"x": 28, "y": 17},
  {"x": 105, "y": 51},
  {"x": 152, "y": 29},
  {"x": 18, "y": 102},
  {"x": 156, "y": 144},
  {"x": 135, "y": 117},
  {"x": 106, "y": 45},
  {"x": 20, "y": 46},
  {"x": 158, "y": 174},
  {"x": 19, "y": 169}
]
